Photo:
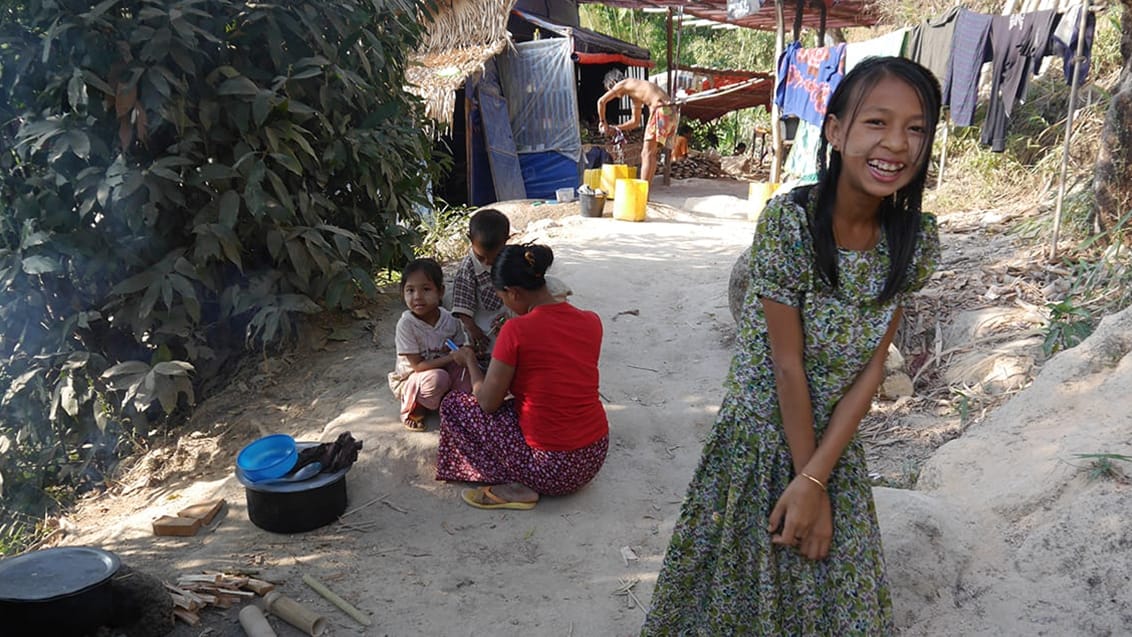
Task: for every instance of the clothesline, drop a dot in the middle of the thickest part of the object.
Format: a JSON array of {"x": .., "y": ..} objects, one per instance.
[{"x": 955, "y": 46}]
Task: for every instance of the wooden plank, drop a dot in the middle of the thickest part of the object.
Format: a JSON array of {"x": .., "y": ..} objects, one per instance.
[
  {"x": 204, "y": 511},
  {"x": 175, "y": 526}
]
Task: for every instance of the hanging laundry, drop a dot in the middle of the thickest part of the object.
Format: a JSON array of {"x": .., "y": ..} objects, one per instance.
[
  {"x": 970, "y": 49},
  {"x": 802, "y": 160},
  {"x": 1064, "y": 42},
  {"x": 1018, "y": 43},
  {"x": 889, "y": 44},
  {"x": 931, "y": 45},
  {"x": 807, "y": 79}
]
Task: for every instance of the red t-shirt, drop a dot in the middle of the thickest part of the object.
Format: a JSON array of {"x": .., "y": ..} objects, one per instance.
[{"x": 554, "y": 349}]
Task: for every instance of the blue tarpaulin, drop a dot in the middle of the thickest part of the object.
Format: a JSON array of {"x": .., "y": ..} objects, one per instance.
[
  {"x": 542, "y": 100},
  {"x": 543, "y": 173}
]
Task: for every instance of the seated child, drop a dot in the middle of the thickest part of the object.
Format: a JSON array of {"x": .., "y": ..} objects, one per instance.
[
  {"x": 474, "y": 300},
  {"x": 425, "y": 369}
]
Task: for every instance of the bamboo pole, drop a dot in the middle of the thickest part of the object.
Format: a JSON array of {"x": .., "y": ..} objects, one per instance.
[
  {"x": 668, "y": 49},
  {"x": 943, "y": 150},
  {"x": 775, "y": 115},
  {"x": 333, "y": 597},
  {"x": 1069, "y": 127}
]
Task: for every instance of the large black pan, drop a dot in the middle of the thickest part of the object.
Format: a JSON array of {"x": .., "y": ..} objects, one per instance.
[
  {"x": 61, "y": 591},
  {"x": 295, "y": 507}
]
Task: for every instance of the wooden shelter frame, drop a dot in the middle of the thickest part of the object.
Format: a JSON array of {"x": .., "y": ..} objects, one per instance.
[{"x": 816, "y": 14}]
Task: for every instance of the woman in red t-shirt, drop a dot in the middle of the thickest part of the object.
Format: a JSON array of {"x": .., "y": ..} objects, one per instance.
[{"x": 551, "y": 438}]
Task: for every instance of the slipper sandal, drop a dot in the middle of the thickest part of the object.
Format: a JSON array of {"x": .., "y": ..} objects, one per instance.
[
  {"x": 415, "y": 423},
  {"x": 475, "y": 497}
]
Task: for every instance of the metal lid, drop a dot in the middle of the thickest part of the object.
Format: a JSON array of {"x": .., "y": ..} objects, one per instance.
[{"x": 42, "y": 576}]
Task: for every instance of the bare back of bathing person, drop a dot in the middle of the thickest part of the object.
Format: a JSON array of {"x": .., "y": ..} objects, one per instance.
[{"x": 662, "y": 115}]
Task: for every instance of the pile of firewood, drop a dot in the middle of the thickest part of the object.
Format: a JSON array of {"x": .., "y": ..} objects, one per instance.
[
  {"x": 697, "y": 166},
  {"x": 195, "y": 592}
]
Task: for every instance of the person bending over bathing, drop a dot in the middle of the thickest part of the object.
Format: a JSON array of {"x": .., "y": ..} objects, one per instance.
[
  {"x": 663, "y": 115},
  {"x": 778, "y": 534},
  {"x": 552, "y": 436}
]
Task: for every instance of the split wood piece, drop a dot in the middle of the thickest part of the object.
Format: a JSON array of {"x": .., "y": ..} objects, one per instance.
[
  {"x": 231, "y": 591},
  {"x": 189, "y": 618},
  {"x": 168, "y": 525},
  {"x": 260, "y": 587},
  {"x": 226, "y": 601},
  {"x": 346, "y": 607},
  {"x": 204, "y": 511},
  {"x": 210, "y": 578},
  {"x": 183, "y": 602}
]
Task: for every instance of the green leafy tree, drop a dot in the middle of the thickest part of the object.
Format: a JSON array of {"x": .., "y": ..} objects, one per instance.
[{"x": 179, "y": 179}]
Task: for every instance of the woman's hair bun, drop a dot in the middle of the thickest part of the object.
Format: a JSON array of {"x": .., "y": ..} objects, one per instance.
[{"x": 522, "y": 266}]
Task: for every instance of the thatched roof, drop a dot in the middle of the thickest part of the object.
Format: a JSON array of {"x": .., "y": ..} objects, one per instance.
[{"x": 461, "y": 37}]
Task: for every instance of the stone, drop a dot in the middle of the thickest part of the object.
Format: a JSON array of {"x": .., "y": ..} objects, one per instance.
[
  {"x": 895, "y": 360},
  {"x": 927, "y": 547},
  {"x": 896, "y": 385}
]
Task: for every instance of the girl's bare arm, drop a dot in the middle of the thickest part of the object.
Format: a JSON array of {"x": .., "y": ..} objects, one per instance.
[
  {"x": 418, "y": 364},
  {"x": 851, "y": 408}
]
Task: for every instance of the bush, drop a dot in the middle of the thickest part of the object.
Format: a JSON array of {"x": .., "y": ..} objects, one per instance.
[{"x": 178, "y": 181}]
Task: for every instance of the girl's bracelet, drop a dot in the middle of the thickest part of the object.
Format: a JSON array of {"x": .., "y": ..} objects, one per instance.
[{"x": 814, "y": 480}]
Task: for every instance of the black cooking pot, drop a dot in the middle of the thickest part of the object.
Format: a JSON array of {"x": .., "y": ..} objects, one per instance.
[
  {"x": 61, "y": 591},
  {"x": 294, "y": 507}
]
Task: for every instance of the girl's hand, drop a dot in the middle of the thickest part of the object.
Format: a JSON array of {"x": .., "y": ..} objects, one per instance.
[
  {"x": 816, "y": 545},
  {"x": 803, "y": 510}
]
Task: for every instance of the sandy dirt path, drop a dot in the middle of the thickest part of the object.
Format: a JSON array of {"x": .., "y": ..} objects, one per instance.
[{"x": 432, "y": 565}]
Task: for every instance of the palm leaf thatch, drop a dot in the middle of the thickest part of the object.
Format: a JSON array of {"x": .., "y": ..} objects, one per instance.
[{"x": 462, "y": 36}]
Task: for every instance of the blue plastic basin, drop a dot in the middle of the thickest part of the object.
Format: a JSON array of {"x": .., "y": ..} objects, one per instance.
[{"x": 269, "y": 457}]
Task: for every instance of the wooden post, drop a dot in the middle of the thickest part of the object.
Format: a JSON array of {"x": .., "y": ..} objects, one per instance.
[
  {"x": 668, "y": 50},
  {"x": 1069, "y": 127},
  {"x": 943, "y": 150},
  {"x": 664, "y": 155},
  {"x": 775, "y": 115}
]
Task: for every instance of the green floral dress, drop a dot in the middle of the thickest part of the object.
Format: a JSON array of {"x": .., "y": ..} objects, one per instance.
[{"x": 722, "y": 575}]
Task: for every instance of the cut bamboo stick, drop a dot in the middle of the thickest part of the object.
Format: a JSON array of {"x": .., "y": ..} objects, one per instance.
[{"x": 333, "y": 597}]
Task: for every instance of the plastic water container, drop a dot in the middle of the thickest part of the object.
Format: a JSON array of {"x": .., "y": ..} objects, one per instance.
[
  {"x": 610, "y": 173},
  {"x": 631, "y": 200},
  {"x": 758, "y": 193},
  {"x": 592, "y": 178},
  {"x": 564, "y": 195}
]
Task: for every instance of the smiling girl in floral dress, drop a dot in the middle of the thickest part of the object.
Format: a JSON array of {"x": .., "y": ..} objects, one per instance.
[{"x": 778, "y": 532}]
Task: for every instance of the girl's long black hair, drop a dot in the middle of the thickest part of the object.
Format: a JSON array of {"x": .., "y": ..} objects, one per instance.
[{"x": 899, "y": 214}]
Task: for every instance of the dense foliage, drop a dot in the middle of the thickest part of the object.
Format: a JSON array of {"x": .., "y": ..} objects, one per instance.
[{"x": 179, "y": 179}]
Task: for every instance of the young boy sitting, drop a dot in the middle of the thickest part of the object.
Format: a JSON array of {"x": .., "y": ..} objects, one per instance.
[{"x": 474, "y": 300}]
